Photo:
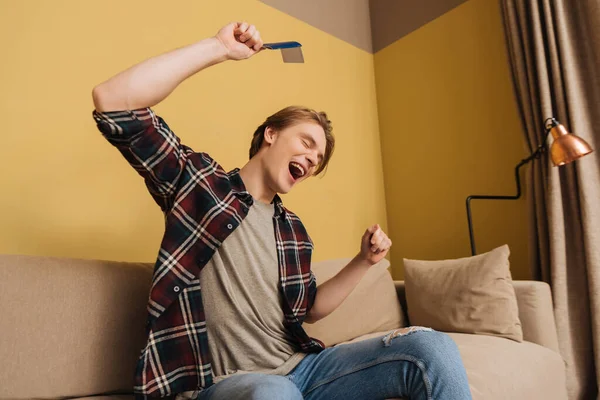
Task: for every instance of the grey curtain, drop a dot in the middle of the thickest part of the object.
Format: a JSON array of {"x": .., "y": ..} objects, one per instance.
[{"x": 554, "y": 51}]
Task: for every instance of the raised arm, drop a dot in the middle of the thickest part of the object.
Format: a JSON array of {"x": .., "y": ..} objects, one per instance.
[
  {"x": 151, "y": 81},
  {"x": 124, "y": 116},
  {"x": 331, "y": 294}
]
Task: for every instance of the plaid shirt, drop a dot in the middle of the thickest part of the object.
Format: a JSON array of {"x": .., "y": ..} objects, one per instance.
[{"x": 202, "y": 205}]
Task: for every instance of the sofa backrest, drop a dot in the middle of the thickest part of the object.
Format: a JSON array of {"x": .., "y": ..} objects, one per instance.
[
  {"x": 69, "y": 327},
  {"x": 371, "y": 307}
]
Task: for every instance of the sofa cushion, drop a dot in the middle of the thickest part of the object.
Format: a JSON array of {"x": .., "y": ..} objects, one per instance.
[
  {"x": 467, "y": 295},
  {"x": 500, "y": 369},
  {"x": 371, "y": 307}
]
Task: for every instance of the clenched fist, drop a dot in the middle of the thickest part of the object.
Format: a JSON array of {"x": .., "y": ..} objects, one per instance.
[
  {"x": 374, "y": 245},
  {"x": 240, "y": 39}
]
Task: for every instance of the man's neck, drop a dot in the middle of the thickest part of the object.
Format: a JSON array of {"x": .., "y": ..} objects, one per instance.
[{"x": 252, "y": 175}]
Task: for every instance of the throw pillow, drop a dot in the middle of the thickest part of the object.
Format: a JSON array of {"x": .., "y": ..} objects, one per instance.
[{"x": 466, "y": 295}]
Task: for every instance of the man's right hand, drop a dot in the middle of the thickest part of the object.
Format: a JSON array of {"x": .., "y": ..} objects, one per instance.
[{"x": 240, "y": 39}]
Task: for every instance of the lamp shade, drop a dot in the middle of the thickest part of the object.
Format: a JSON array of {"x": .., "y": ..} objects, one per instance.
[{"x": 566, "y": 147}]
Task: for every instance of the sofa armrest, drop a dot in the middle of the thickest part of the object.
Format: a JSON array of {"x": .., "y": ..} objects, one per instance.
[{"x": 536, "y": 312}]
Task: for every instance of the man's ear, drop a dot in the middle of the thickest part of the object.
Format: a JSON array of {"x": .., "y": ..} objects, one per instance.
[{"x": 269, "y": 135}]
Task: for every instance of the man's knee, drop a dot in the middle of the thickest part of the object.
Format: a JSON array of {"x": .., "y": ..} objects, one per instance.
[
  {"x": 430, "y": 346},
  {"x": 272, "y": 387},
  {"x": 439, "y": 351},
  {"x": 444, "y": 344}
]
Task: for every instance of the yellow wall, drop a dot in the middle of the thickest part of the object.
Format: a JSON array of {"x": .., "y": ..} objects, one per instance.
[
  {"x": 449, "y": 128},
  {"x": 67, "y": 192}
]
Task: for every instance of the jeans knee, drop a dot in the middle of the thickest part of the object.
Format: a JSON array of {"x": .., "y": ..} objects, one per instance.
[
  {"x": 432, "y": 347},
  {"x": 439, "y": 351},
  {"x": 274, "y": 387},
  {"x": 445, "y": 344}
]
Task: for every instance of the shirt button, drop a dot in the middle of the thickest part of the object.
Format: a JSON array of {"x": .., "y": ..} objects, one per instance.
[
  {"x": 229, "y": 226},
  {"x": 176, "y": 289}
]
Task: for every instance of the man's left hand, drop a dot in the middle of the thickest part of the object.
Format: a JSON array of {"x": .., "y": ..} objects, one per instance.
[{"x": 374, "y": 245}]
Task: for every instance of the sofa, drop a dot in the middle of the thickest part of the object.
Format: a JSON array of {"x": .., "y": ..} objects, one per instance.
[{"x": 74, "y": 328}]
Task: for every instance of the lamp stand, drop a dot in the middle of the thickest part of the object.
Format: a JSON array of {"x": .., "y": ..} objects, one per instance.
[{"x": 536, "y": 154}]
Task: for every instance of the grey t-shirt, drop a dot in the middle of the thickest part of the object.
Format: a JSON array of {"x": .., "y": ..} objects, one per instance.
[{"x": 242, "y": 301}]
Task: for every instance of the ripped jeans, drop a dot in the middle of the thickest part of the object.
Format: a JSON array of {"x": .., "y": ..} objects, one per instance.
[{"x": 415, "y": 363}]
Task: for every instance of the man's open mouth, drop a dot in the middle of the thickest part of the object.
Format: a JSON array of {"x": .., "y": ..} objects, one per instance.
[{"x": 296, "y": 170}]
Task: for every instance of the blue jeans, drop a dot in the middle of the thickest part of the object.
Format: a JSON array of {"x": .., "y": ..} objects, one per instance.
[{"x": 417, "y": 365}]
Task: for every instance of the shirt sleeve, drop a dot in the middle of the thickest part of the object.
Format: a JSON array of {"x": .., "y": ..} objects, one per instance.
[{"x": 149, "y": 146}]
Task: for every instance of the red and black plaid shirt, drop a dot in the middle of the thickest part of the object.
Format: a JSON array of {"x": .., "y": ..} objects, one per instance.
[{"x": 202, "y": 205}]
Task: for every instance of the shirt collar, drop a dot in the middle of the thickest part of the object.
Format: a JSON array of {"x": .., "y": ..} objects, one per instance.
[{"x": 239, "y": 189}]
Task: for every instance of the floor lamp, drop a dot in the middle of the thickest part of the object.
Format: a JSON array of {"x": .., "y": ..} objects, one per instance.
[{"x": 565, "y": 148}]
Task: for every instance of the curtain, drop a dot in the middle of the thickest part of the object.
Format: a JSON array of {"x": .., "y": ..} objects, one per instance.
[{"x": 554, "y": 51}]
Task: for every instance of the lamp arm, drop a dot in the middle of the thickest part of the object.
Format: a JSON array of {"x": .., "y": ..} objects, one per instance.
[{"x": 536, "y": 154}]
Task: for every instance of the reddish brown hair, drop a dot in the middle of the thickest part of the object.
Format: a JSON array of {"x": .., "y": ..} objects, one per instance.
[{"x": 290, "y": 116}]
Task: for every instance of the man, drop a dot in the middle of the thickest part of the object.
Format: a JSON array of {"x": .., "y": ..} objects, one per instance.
[{"x": 232, "y": 284}]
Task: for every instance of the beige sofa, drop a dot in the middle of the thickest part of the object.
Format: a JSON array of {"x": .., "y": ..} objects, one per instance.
[{"x": 74, "y": 329}]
